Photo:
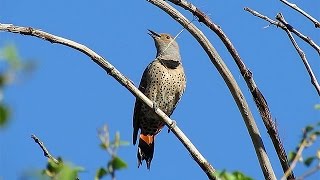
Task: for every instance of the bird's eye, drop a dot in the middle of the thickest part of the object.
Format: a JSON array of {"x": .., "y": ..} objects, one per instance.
[{"x": 168, "y": 37}]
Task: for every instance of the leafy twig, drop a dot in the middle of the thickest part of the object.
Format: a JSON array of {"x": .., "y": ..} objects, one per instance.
[
  {"x": 295, "y": 160},
  {"x": 115, "y": 163},
  {"x": 309, "y": 136}
]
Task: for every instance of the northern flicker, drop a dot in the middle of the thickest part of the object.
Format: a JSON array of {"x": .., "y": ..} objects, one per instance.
[{"x": 163, "y": 82}]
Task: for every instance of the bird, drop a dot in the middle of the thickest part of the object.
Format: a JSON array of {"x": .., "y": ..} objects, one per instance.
[{"x": 163, "y": 82}]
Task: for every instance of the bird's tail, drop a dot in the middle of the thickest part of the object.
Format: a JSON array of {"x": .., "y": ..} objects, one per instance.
[{"x": 145, "y": 149}]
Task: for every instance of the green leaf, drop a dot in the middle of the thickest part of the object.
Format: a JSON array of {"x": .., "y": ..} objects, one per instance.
[
  {"x": 101, "y": 173},
  {"x": 10, "y": 53},
  {"x": 309, "y": 128},
  {"x": 317, "y": 106},
  {"x": 317, "y": 133},
  {"x": 117, "y": 163},
  {"x": 240, "y": 176},
  {"x": 223, "y": 175},
  {"x": 4, "y": 115},
  {"x": 103, "y": 146},
  {"x": 53, "y": 168},
  {"x": 61, "y": 170},
  {"x": 78, "y": 168},
  {"x": 309, "y": 161},
  {"x": 291, "y": 156},
  {"x": 236, "y": 175},
  {"x": 67, "y": 173}
]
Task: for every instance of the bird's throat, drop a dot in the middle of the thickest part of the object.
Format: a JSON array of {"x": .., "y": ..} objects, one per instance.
[{"x": 172, "y": 64}]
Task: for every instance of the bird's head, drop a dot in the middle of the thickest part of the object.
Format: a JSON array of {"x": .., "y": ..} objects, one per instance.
[{"x": 165, "y": 44}]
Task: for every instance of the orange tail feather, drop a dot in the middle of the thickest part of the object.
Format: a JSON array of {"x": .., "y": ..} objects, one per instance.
[{"x": 145, "y": 149}]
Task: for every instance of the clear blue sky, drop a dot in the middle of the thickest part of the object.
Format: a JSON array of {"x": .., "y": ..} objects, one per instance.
[{"x": 69, "y": 97}]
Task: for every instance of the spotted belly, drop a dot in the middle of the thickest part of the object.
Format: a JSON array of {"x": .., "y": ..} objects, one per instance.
[{"x": 150, "y": 122}]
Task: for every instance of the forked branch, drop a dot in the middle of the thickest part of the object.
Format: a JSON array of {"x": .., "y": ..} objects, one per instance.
[
  {"x": 282, "y": 26},
  {"x": 302, "y": 55},
  {"x": 288, "y": 28}
]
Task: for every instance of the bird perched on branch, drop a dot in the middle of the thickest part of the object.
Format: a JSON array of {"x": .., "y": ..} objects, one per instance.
[{"x": 163, "y": 82}]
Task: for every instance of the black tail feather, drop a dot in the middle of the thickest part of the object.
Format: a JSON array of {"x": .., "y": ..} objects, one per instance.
[{"x": 145, "y": 152}]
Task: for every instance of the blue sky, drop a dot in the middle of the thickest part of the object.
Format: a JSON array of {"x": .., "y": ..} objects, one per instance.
[{"x": 69, "y": 97}]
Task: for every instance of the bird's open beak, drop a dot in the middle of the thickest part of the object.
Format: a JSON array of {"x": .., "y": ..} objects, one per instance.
[{"x": 153, "y": 34}]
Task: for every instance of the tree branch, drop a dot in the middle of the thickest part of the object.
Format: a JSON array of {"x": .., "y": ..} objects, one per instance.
[
  {"x": 259, "y": 99},
  {"x": 295, "y": 160},
  {"x": 230, "y": 81},
  {"x": 300, "y": 52},
  {"x": 309, "y": 172},
  {"x": 282, "y": 26},
  {"x": 44, "y": 149},
  {"x": 111, "y": 70},
  {"x": 295, "y": 7}
]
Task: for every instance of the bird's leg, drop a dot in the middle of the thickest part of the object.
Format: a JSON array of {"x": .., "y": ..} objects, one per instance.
[
  {"x": 154, "y": 106},
  {"x": 172, "y": 125}
]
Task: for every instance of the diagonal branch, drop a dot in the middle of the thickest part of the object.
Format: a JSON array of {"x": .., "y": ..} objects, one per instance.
[
  {"x": 295, "y": 7},
  {"x": 300, "y": 52},
  {"x": 282, "y": 26},
  {"x": 295, "y": 160},
  {"x": 111, "y": 70},
  {"x": 230, "y": 81},
  {"x": 44, "y": 149},
  {"x": 259, "y": 99},
  {"x": 309, "y": 172}
]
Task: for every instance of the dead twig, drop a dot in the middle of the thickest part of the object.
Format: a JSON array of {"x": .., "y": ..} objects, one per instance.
[
  {"x": 300, "y": 52},
  {"x": 44, "y": 149},
  {"x": 295, "y": 7},
  {"x": 282, "y": 26},
  {"x": 309, "y": 172}
]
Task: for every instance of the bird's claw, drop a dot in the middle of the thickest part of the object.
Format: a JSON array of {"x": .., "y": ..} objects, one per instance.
[
  {"x": 172, "y": 125},
  {"x": 154, "y": 106}
]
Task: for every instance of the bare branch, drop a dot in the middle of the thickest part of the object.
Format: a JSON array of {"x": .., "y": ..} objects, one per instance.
[
  {"x": 309, "y": 172},
  {"x": 259, "y": 99},
  {"x": 127, "y": 83},
  {"x": 44, "y": 149},
  {"x": 295, "y": 7},
  {"x": 231, "y": 83},
  {"x": 295, "y": 160},
  {"x": 282, "y": 26},
  {"x": 255, "y": 13},
  {"x": 300, "y": 52}
]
